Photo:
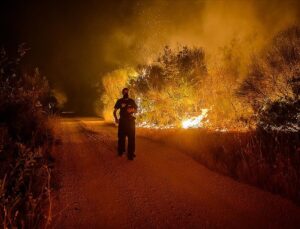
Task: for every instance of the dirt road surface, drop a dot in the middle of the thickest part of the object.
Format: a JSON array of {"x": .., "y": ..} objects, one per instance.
[{"x": 162, "y": 188}]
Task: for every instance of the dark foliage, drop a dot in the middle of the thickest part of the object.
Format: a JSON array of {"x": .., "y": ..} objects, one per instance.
[
  {"x": 24, "y": 144},
  {"x": 21, "y": 100},
  {"x": 280, "y": 115}
]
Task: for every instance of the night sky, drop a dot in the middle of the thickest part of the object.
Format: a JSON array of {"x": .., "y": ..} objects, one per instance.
[
  {"x": 75, "y": 42},
  {"x": 66, "y": 40}
]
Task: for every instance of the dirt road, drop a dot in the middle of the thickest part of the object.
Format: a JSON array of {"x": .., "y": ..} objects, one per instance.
[{"x": 162, "y": 188}]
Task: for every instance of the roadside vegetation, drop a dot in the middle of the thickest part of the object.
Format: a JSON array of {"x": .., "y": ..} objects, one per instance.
[
  {"x": 25, "y": 143},
  {"x": 269, "y": 160},
  {"x": 251, "y": 130},
  {"x": 241, "y": 93}
]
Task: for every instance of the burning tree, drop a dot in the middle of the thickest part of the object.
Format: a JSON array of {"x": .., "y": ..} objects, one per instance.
[
  {"x": 167, "y": 90},
  {"x": 179, "y": 88}
]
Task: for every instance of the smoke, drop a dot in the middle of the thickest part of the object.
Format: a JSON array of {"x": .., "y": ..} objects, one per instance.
[
  {"x": 76, "y": 42},
  {"x": 229, "y": 31},
  {"x": 211, "y": 24}
]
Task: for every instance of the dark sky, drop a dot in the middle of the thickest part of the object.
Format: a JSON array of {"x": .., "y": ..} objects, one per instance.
[
  {"x": 75, "y": 42},
  {"x": 66, "y": 38}
]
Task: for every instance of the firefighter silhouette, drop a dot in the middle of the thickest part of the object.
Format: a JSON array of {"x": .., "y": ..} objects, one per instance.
[{"x": 126, "y": 127}]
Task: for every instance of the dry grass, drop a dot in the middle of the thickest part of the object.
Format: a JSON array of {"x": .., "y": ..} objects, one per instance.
[
  {"x": 25, "y": 185},
  {"x": 268, "y": 160}
]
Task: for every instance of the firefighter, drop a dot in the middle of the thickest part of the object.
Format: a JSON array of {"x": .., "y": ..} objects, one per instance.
[{"x": 126, "y": 127}]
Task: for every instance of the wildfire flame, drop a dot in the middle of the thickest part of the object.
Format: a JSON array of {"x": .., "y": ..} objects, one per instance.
[
  {"x": 192, "y": 122},
  {"x": 195, "y": 122}
]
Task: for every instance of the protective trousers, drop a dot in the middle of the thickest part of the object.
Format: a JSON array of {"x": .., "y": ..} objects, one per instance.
[{"x": 126, "y": 129}]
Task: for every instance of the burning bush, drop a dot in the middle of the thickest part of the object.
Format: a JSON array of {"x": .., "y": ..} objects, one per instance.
[
  {"x": 272, "y": 85},
  {"x": 167, "y": 90},
  {"x": 178, "y": 90},
  {"x": 168, "y": 86},
  {"x": 179, "y": 86},
  {"x": 112, "y": 84}
]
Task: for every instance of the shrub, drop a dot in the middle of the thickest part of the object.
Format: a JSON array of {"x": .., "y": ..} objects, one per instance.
[
  {"x": 273, "y": 82},
  {"x": 24, "y": 145},
  {"x": 112, "y": 85},
  {"x": 170, "y": 87}
]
